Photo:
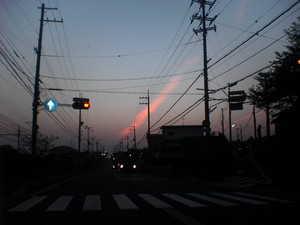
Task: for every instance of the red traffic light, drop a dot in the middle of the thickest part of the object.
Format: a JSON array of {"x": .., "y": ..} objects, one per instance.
[
  {"x": 86, "y": 105},
  {"x": 81, "y": 104}
]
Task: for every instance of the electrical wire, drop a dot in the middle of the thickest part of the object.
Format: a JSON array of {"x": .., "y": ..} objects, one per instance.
[{"x": 253, "y": 35}]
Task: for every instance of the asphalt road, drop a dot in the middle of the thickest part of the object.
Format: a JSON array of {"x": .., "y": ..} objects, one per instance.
[{"x": 104, "y": 196}]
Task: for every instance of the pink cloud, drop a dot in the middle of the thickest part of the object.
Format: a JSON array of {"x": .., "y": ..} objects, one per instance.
[
  {"x": 242, "y": 10},
  {"x": 141, "y": 117}
]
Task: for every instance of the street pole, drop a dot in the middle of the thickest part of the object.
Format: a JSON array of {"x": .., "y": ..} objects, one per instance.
[
  {"x": 36, "y": 95},
  {"x": 79, "y": 131},
  {"x": 206, "y": 95},
  {"x": 254, "y": 121},
  {"x": 229, "y": 114},
  {"x": 127, "y": 142},
  {"x": 134, "y": 136},
  {"x": 223, "y": 131},
  {"x": 229, "y": 109},
  {"x": 148, "y": 104},
  {"x": 19, "y": 135},
  {"x": 88, "y": 139},
  {"x": 203, "y": 30}
]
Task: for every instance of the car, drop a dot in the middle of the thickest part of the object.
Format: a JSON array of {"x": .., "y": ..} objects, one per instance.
[{"x": 124, "y": 162}]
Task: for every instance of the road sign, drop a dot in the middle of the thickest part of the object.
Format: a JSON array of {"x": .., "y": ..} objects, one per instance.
[
  {"x": 50, "y": 105},
  {"x": 237, "y": 98},
  {"x": 236, "y": 106},
  {"x": 237, "y": 93}
]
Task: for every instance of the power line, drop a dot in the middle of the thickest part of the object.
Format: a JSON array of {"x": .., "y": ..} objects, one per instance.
[
  {"x": 116, "y": 79},
  {"x": 243, "y": 61},
  {"x": 255, "y": 34}
]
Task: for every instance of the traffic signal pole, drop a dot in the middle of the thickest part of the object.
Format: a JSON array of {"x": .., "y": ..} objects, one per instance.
[
  {"x": 80, "y": 103},
  {"x": 79, "y": 131}
]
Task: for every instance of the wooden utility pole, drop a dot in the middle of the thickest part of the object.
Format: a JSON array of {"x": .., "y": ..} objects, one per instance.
[
  {"x": 203, "y": 18},
  {"x": 36, "y": 96},
  {"x": 148, "y": 104},
  {"x": 254, "y": 122},
  {"x": 134, "y": 136},
  {"x": 223, "y": 131}
]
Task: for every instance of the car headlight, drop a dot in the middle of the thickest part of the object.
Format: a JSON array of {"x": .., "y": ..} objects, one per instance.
[
  {"x": 134, "y": 166},
  {"x": 121, "y": 166}
]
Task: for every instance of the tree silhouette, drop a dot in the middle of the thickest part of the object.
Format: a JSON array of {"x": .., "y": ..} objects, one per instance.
[{"x": 277, "y": 91}]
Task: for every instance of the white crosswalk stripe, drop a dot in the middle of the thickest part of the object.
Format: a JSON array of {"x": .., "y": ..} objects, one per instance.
[
  {"x": 160, "y": 201},
  {"x": 238, "y": 182},
  {"x": 212, "y": 199},
  {"x": 240, "y": 199},
  {"x": 28, "y": 204},
  {"x": 60, "y": 204},
  {"x": 157, "y": 203},
  {"x": 275, "y": 199},
  {"x": 92, "y": 202},
  {"x": 124, "y": 202},
  {"x": 183, "y": 200}
]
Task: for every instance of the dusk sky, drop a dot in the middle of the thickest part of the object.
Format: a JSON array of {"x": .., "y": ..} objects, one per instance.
[{"x": 113, "y": 51}]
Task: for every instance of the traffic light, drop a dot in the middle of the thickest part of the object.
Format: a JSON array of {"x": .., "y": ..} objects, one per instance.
[
  {"x": 86, "y": 105},
  {"x": 81, "y": 103}
]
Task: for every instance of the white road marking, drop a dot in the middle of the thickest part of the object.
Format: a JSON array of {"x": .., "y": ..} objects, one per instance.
[
  {"x": 263, "y": 197},
  {"x": 240, "y": 199},
  {"x": 212, "y": 199},
  {"x": 60, "y": 204},
  {"x": 124, "y": 202},
  {"x": 183, "y": 200},
  {"x": 28, "y": 204},
  {"x": 157, "y": 203},
  {"x": 92, "y": 202}
]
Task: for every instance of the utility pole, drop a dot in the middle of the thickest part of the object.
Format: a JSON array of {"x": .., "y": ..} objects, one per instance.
[
  {"x": 254, "y": 121},
  {"x": 223, "y": 131},
  {"x": 203, "y": 30},
  {"x": 127, "y": 142},
  {"x": 121, "y": 145},
  {"x": 148, "y": 104},
  {"x": 19, "y": 135},
  {"x": 36, "y": 97},
  {"x": 134, "y": 136}
]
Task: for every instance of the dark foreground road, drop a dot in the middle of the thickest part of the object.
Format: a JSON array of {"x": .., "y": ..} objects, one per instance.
[{"x": 103, "y": 196}]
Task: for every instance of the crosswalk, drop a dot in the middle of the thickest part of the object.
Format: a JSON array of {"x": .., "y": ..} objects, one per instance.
[
  {"x": 238, "y": 182},
  {"x": 160, "y": 201}
]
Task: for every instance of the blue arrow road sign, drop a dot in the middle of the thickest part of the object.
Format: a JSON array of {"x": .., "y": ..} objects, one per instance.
[{"x": 50, "y": 105}]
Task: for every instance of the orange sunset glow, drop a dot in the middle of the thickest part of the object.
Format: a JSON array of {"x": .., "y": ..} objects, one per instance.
[{"x": 141, "y": 117}]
